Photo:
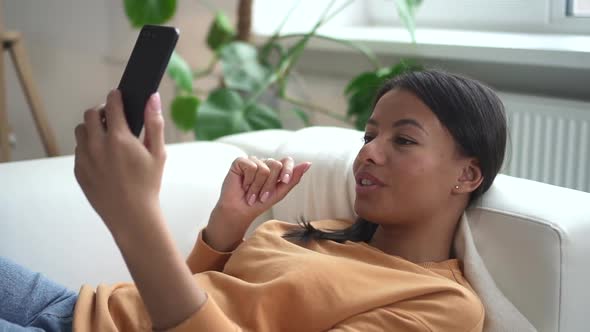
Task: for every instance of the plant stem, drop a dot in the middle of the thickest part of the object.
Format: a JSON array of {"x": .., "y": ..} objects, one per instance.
[
  {"x": 326, "y": 11},
  {"x": 366, "y": 52},
  {"x": 295, "y": 52},
  {"x": 285, "y": 19},
  {"x": 208, "y": 70},
  {"x": 244, "y": 20},
  {"x": 324, "y": 19},
  {"x": 270, "y": 81},
  {"x": 316, "y": 108}
]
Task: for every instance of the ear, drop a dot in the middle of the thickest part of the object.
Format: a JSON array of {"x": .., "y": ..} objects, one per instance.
[{"x": 470, "y": 177}]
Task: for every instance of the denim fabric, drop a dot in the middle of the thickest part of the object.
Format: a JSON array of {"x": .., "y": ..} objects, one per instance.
[{"x": 30, "y": 301}]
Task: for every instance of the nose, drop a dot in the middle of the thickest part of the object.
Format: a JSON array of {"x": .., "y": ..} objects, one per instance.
[{"x": 372, "y": 153}]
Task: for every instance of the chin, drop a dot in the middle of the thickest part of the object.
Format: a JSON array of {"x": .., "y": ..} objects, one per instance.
[{"x": 366, "y": 211}]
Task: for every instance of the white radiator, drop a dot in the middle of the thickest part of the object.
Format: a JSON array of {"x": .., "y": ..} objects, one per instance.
[{"x": 549, "y": 140}]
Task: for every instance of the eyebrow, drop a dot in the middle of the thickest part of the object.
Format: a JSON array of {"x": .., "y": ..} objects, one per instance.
[{"x": 401, "y": 122}]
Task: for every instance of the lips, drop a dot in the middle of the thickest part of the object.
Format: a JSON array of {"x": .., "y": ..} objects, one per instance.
[
  {"x": 367, "y": 183},
  {"x": 364, "y": 178}
]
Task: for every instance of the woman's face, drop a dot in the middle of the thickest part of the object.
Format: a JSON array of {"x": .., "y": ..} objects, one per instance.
[{"x": 409, "y": 165}]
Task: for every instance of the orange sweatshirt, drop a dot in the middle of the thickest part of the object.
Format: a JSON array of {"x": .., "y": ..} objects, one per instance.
[{"x": 271, "y": 284}]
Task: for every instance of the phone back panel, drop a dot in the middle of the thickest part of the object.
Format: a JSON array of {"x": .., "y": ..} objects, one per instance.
[{"x": 144, "y": 71}]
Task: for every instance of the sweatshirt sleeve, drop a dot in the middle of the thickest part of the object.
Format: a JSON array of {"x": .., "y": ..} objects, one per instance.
[
  {"x": 208, "y": 318},
  {"x": 204, "y": 258}
]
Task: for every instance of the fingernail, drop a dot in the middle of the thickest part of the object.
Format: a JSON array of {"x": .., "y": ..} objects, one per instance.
[
  {"x": 264, "y": 196},
  {"x": 252, "y": 200},
  {"x": 286, "y": 178},
  {"x": 307, "y": 167},
  {"x": 155, "y": 103}
]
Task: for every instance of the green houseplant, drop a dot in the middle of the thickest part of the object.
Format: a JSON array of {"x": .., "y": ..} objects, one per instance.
[{"x": 250, "y": 71}]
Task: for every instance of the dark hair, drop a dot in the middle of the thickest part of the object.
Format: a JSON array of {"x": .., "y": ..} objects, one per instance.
[{"x": 470, "y": 110}]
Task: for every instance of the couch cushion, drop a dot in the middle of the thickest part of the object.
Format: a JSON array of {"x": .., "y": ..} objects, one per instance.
[
  {"x": 262, "y": 143},
  {"x": 327, "y": 190},
  {"x": 48, "y": 225},
  {"x": 534, "y": 240}
]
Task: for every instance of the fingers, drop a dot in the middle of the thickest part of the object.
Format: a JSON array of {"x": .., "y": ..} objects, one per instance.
[
  {"x": 154, "y": 126},
  {"x": 93, "y": 124},
  {"x": 245, "y": 168},
  {"x": 115, "y": 118},
  {"x": 262, "y": 173},
  {"x": 81, "y": 135},
  {"x": 268, "y": 188},
  {"x": 80, "y": 153},
  {"x": 287, "y": 171},
  {"x": 298, "y": 171},
  {"x": 262, "y": 178}
]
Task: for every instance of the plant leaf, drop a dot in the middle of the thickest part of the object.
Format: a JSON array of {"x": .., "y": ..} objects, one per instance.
[
  {"x": 142, "y": 12},
  {"x": 363, "y": 88},
  {"x": 181, "y": 73},
  {"x": 225, "y": 112},
  {"x": 241, "y": 67},
  {"x": 184, "y": 111},
  {"x": 302, "y": 115},
  {"x": 361, "y": 120},
  {"x": 361, "y": 82},
  {"x": 220, "y": 32},
  {"x": 260, "y": 116},
  {"x": 361, "y": 91}
]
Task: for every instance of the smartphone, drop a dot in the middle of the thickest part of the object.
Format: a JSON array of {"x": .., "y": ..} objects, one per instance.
[{"x": 144, "y": 71}]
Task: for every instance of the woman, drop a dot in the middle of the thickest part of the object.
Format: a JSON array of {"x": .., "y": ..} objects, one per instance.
[{"x": 433, "y": 144}]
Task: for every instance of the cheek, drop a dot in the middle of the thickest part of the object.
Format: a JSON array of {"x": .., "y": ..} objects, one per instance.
[
  {"x": 416, "y": 174},
  {"x": 356, "y": 164},
  {"x": 414, "y": 166}
]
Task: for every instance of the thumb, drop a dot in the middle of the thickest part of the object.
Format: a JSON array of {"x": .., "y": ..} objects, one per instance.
[{"x": 154, "y": 125}]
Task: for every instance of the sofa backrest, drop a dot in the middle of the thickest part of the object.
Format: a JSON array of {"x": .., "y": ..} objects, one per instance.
[
  {"x": 533, "y": 237},
  {"x": 47, "y": 225}
]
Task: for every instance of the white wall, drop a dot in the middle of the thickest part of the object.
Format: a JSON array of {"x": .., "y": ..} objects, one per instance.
[{"x": 78, "y": 49}]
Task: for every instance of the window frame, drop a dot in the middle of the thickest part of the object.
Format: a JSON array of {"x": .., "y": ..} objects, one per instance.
[
  {"x": 561, "y": 19},
  {"x": 570, "y": 10},
  {"x": 557, "y": 20}
]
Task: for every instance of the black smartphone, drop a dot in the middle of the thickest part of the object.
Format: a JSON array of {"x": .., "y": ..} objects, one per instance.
[{"x": 144, "y": 71}]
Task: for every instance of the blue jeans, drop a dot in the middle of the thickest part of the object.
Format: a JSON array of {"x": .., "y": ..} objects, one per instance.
[{"x": 31, "y": 302}]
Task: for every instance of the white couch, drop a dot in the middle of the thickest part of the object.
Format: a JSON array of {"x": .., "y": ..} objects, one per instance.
[{"x": 534, "y": 237}]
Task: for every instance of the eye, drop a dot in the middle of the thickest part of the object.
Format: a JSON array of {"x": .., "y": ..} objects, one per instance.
[
  {"x": 403, "y": 141},
  {"x": 367, "y": 138}
]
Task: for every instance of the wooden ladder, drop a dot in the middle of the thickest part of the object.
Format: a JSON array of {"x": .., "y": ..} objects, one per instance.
[{"x": 13, "y": 43}]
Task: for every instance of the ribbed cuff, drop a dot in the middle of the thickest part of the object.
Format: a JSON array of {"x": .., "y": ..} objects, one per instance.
[{"x": 204, "y": 258}]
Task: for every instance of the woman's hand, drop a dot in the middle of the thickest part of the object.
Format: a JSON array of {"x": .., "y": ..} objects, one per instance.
[
  {"x": 251, "y": 187},
  {"x": 119, "y": 175}
]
